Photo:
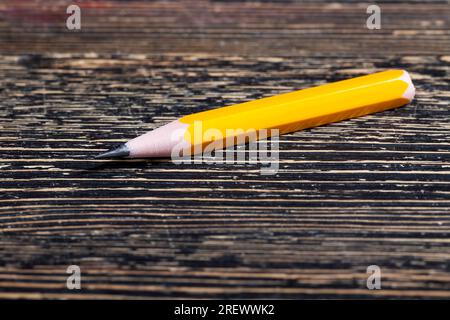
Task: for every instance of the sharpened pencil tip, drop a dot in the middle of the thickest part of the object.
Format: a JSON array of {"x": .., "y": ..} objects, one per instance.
[{"x": 120, "y": 152}]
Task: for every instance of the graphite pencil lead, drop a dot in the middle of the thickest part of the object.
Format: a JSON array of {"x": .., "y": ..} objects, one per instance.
[{"x": 120, "y": 152}]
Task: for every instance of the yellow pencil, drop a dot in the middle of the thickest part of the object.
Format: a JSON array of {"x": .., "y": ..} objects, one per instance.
[{"x": 287, "y": 112}]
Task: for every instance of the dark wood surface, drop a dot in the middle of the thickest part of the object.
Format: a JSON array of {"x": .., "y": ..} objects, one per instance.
[
  {"x": 262, "y": 28},
  {"x": 368, "y": 191}
]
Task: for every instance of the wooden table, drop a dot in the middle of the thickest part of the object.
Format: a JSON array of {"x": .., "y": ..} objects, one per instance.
[{"x": 369, "y": 191}]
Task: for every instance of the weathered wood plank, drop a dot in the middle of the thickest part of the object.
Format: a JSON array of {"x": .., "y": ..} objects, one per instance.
[
  {"x": 372, "y": 190},
  {"x": 279, "y": 28}
]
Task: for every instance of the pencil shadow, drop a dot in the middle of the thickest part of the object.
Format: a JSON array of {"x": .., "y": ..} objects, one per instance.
[
  {"x": 88, "y": 168},
  {"x": 122, "y": 164}
]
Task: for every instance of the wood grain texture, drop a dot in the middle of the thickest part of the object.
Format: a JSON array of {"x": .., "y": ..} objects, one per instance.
[
  {"x": 261, "y": 28},
  {"x": 372, "y": 190}
]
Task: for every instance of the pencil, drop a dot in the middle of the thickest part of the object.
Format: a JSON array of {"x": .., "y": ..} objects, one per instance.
[{"x": 286, "y": 113}]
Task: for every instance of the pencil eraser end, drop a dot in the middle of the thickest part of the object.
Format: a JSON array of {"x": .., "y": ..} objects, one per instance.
[{"x": 410, "y": 90}]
